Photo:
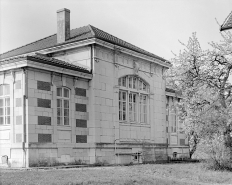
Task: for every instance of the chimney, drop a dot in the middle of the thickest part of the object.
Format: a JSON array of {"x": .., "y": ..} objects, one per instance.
[{"x": 63, "y": 25}]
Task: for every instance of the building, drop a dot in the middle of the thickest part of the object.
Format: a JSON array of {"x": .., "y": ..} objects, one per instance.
[
  {"x": 227, "y": 23},
  {"x": 84, "y": 95}
]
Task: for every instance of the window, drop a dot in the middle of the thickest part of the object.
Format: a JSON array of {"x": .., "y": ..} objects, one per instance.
[
  {"x": 122, "y": 105},
  {"x": 143, "y": 108},
  {"x": 133, "y": 99},
  {"x": 4, "y": 104},
  {"x": 173, "y": 119},
  {"x": 63, "y": 104}
]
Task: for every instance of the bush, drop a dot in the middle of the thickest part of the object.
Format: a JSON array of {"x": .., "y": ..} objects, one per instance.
[{"x": 219, "y": 154}]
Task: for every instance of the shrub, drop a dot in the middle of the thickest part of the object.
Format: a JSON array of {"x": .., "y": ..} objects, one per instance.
[{"x": 219, "y": 154}]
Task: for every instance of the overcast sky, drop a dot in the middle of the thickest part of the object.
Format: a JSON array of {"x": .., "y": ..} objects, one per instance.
[{"x": 154, "y": 25}]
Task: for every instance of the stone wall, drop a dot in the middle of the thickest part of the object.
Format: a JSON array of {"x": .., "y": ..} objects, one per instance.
[{"x": 49, "y": 141}]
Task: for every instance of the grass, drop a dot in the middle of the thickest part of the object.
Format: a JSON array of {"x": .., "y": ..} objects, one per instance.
[{"x": 165, "y": 174}]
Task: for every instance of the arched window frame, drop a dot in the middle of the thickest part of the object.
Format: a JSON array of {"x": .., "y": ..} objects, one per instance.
[
  {"x": 5, "y": 104},
  {"x": 63, "y": 106},
  {"x": 133, "y": 100}
]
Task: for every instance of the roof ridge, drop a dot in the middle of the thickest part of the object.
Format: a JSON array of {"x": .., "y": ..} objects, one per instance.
[{"x": 91, "y": 29}]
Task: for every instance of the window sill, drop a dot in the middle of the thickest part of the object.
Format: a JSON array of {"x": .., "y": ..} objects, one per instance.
[
  {"x": 4, "y": 127},
  {"x": 63, "y": 127},
  {"x": 134, "y": 124}
]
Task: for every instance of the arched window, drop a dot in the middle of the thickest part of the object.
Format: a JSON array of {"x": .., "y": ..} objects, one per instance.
[
  {"x": 133, "y": 99},
  {"x": 5, "y": 104},
  {"x": 63, "y": 105}
]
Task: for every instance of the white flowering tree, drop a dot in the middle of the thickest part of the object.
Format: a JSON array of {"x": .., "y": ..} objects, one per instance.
[{"x": 202, "y": 76}]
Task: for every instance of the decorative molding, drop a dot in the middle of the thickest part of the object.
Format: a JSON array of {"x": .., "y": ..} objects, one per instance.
[
  {"x": 13, "y": 76},
  {"x": 136, "y": 68},
  {"x": 164, "y": 73}
]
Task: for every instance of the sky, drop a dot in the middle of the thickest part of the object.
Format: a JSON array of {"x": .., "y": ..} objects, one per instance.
[{"x": 154, "y": 25}]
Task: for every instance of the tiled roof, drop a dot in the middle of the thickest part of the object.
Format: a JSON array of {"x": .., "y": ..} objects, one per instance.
[
  {"x": 227, "y": 23},
  {"x": 48, "y": 60},
  {"x": 77, "y": 34}
]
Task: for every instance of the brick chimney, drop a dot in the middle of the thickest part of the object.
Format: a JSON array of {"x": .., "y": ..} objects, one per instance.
[{"x": 63, "y": 25}]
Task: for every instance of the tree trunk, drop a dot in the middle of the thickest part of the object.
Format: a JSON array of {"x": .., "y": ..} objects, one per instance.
[{"x": 194, "y": 140}]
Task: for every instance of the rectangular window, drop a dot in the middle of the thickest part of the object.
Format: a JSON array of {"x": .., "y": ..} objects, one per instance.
[
  {"x": 63, "y": 106},
  {"x": 4, "y": 104},
  {"x": 122, "y": 105}
]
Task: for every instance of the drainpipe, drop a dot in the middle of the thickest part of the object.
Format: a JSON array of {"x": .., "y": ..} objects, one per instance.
[
  {"x": 24, "y": 114},
  {"x": 115, "y": 151}
]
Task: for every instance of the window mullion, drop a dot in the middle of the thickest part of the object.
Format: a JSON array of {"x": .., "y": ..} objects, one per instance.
[
  {"x": 4, "y": 109},
  {"x": 62, "y": 111}
]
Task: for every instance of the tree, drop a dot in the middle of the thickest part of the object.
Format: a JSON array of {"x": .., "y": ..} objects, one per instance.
[{"x": 202, "y": 76}]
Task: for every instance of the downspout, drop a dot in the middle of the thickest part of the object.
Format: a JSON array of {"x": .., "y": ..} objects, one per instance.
[
  {"x": 24, "y": 114},
  {"x": 115, "y": 147}
]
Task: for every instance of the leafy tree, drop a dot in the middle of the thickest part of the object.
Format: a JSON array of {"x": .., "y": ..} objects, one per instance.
[{"x": 202, "y": 76}]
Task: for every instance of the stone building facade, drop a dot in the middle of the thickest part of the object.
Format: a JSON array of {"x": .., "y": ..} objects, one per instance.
[{"x": 85, "y": 95}]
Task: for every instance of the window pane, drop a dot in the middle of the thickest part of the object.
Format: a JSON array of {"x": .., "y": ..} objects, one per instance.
[
  {"x": 66, "y": 93},
  {"x": 119, "y": 96},
  {"x": 124, "y": 81},
  {"x": 130, "y": 116},
  {"x": 59, "y": 120},
  {"x": 124, "y": 106},
  {"x": 140, "y": 85},
  {"x": 8, "y": 120},
  {"x": 1, "y": 90},
  {"x": 7, "y": 90},
  {"x": 1, "y": 120},
  {"x": 134, "y": 97},
  {"x": 7, "y": 102},
  {"x": 58, "y": 112},
  {"x": 119, "y": 82},
  {"x": 124, "y": 116},
  {"x": 66, "y": 112},
  {"x": 59, "y": 104},
  {"x": 130, "y": 82},
  {"x": 1, "y": 111},
  {"x": 134, "y": 83},
  {"x": 66, "y": 104},
  {"x": 130, "y": 97},
  {"x": 66, "y": 121},
  {"x": 144, "y": 99},
  {"x": 1, "y": 102},
  {"x": 59, "y": 91},
  {"x": 120, "y": 115},
  {"x": 7, "y": 111},
  {"x": 123, "y": 96},
  {"x": 144, "y": 86}
]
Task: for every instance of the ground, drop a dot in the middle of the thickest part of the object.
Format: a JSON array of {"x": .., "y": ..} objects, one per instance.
[{"x": 165, "y": 174}]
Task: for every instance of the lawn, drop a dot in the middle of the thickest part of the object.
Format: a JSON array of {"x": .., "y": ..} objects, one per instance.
[{"x": 165, "y": 174}]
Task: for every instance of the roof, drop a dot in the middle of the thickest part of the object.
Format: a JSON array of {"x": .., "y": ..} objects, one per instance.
[
  {"x": 48, "y": 60},
  {"x": 170, "y": 90},
  {"x": 77, "y": 34},
  {"x": 227, "y": 23}
]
